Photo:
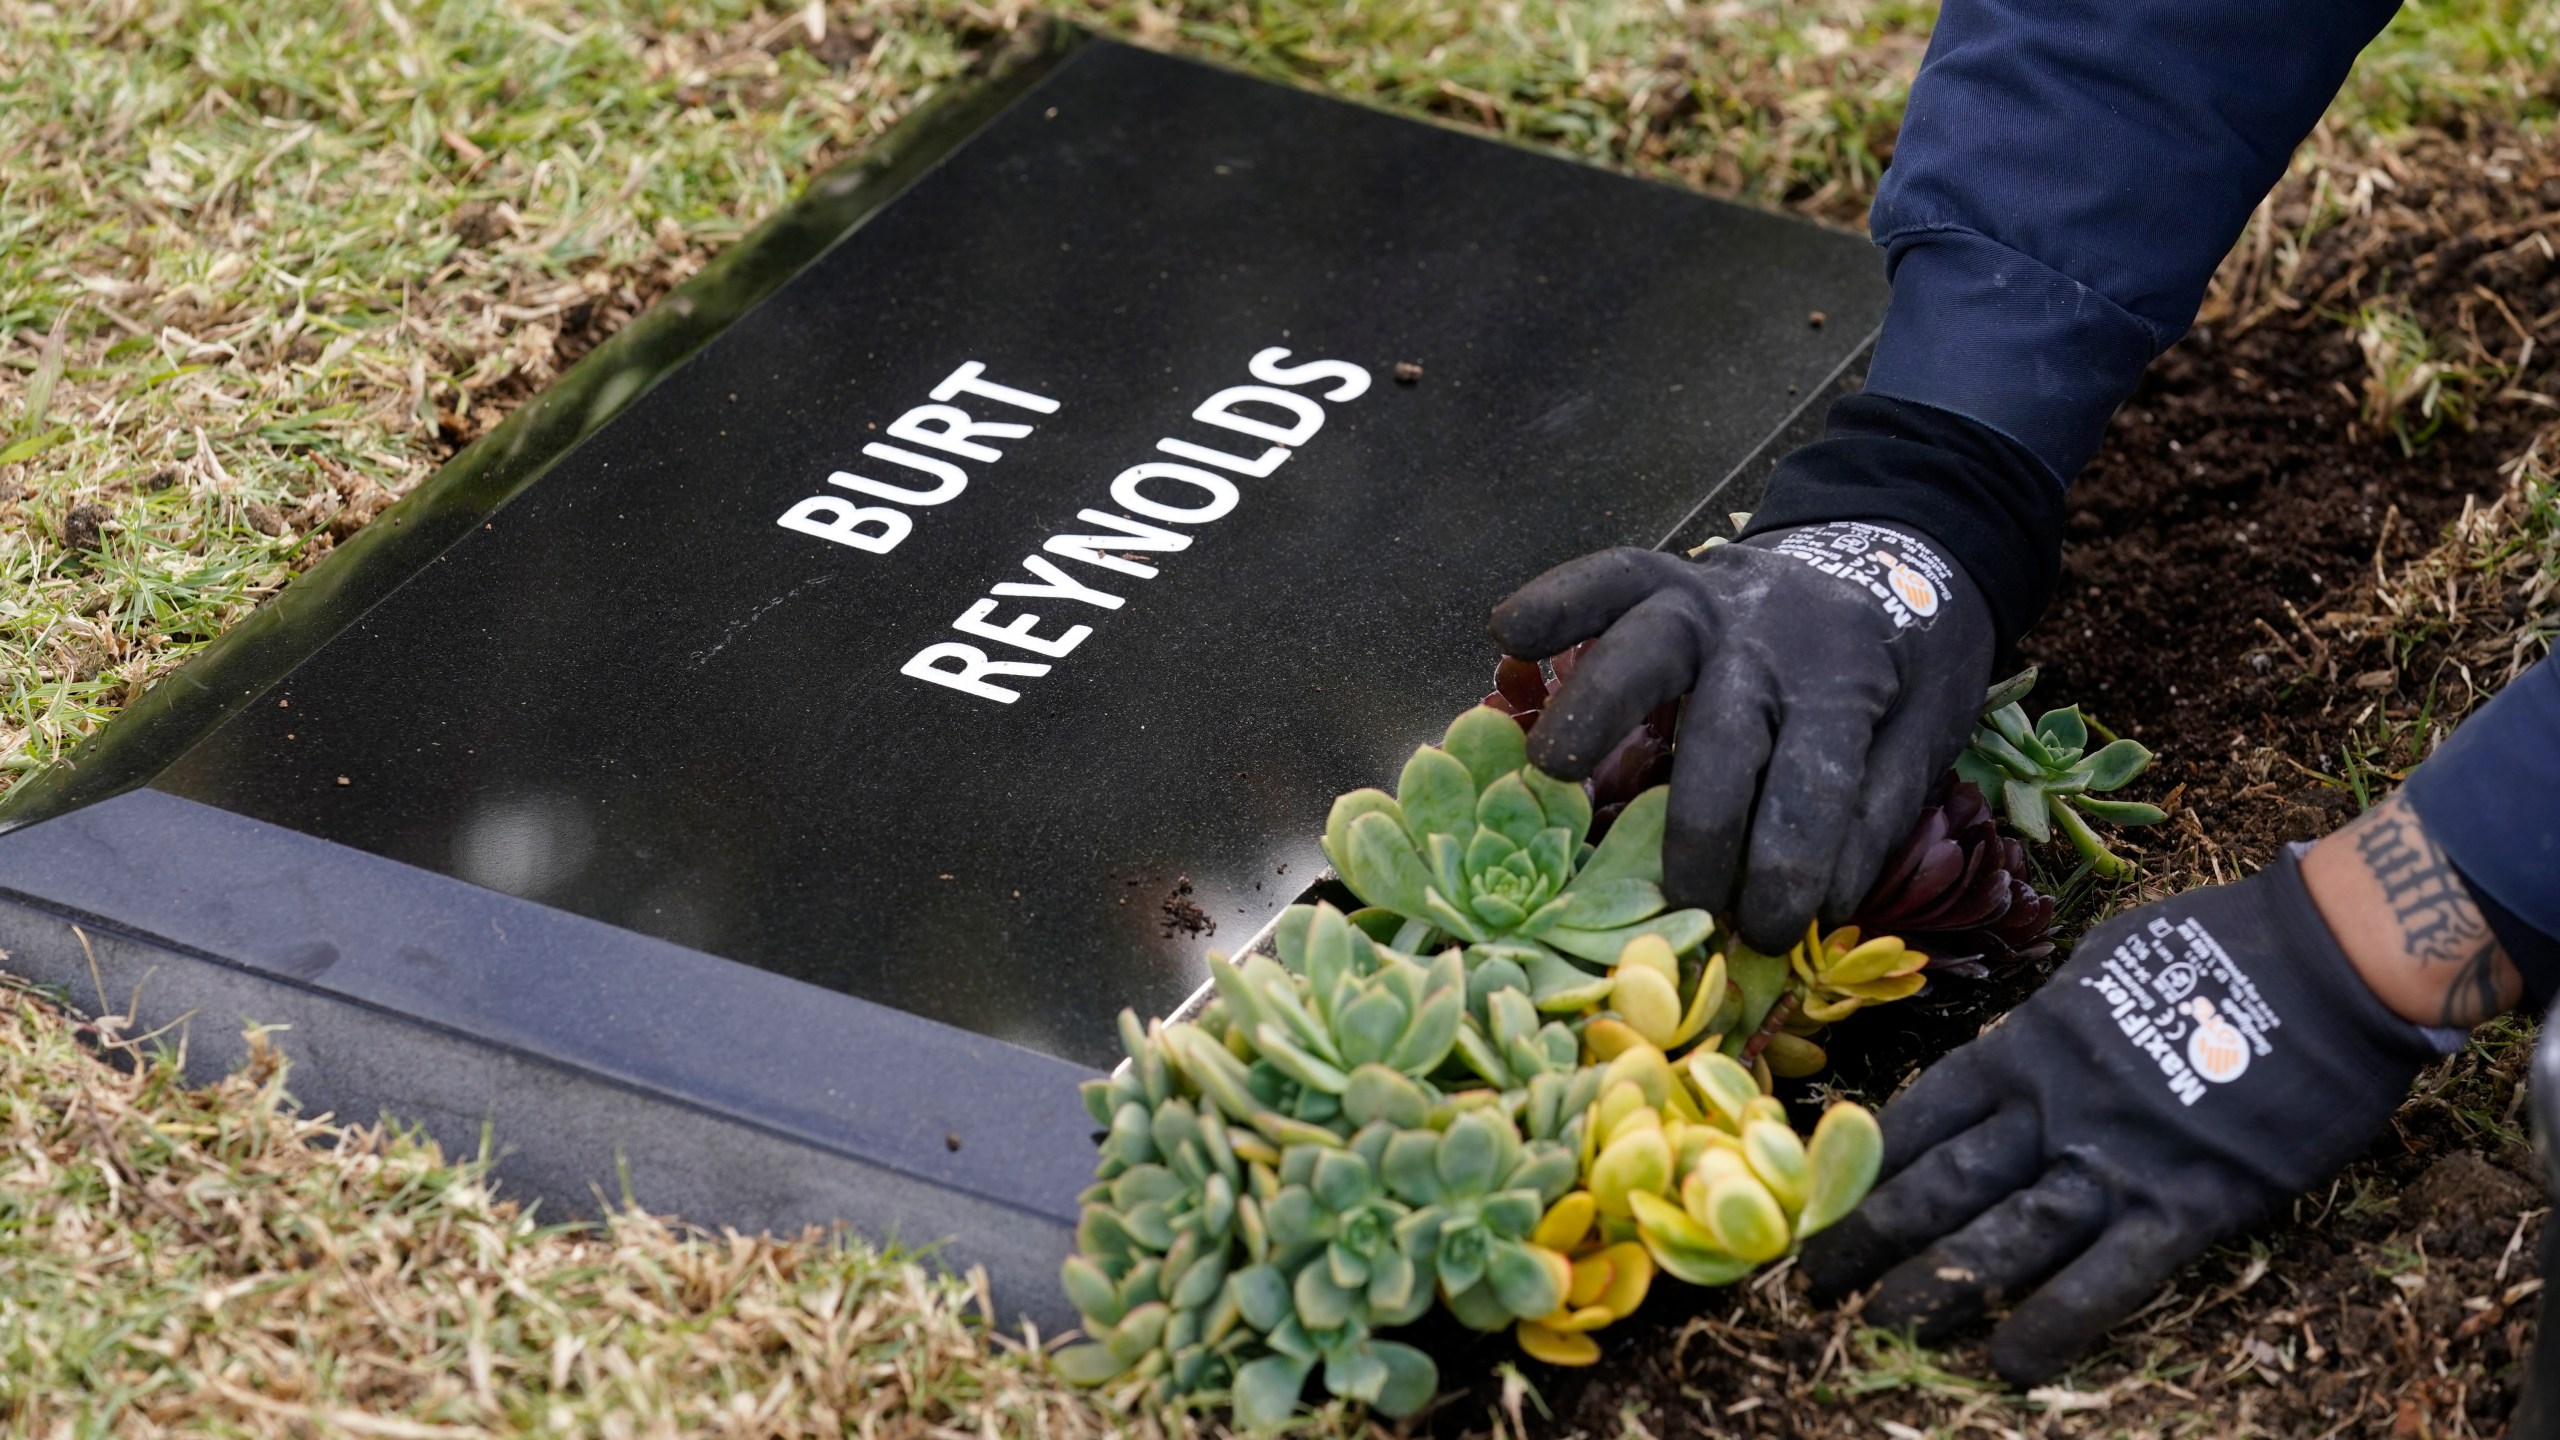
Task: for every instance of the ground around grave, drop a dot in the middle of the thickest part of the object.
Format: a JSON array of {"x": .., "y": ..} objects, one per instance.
[
  {"x": 262, "y": 267},
  {"x": 2256, "y": 588}
]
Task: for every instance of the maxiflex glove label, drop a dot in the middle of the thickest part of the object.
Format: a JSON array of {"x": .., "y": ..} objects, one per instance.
[
  {"x": 2179, "y": 998},
  {"x": 1905, "y": 576}
]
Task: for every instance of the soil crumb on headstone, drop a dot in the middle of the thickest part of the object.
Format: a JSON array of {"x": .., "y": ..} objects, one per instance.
[{"x": 1183, "y": 914}]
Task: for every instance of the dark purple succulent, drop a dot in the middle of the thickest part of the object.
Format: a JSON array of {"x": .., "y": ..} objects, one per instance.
[
  {"x": 1959, "y": 891},
  {"x": 1636, "y": 764}
]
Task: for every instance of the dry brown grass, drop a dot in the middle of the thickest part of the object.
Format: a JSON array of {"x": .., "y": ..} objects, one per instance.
[{"x": 184, "y": 1261}]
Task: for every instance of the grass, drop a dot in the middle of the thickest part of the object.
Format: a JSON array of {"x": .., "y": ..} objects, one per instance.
[
  {"x": 263, "y": 266},
  {"x": 209, "y": 1262}
]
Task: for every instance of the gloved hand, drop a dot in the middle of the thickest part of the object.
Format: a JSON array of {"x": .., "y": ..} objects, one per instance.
[
  {"x": 1834, "y": 671},
  {"x": 2199, "y": 1062}
]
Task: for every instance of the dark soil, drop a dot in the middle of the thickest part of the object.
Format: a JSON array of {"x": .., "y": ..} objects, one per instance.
[
  {"x": 1182, "y": 914},
  {"x": 2247, "y": 491}
]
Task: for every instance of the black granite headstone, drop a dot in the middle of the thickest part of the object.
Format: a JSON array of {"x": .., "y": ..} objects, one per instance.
[{"x": 940, "y": 625}]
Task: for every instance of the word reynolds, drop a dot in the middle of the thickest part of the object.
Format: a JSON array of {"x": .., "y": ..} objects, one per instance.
[{"x": 1157, "y": 494}]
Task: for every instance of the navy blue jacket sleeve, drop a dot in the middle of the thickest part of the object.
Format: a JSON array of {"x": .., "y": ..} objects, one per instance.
[
  {"x": 2069, "y": 174},
  {"x": 2490, "y": 799}
]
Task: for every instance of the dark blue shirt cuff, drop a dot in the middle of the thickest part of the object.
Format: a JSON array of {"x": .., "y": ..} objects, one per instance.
[
  {"x": 2490, "y": 799},
  {"x": 1981, "y": 330}
]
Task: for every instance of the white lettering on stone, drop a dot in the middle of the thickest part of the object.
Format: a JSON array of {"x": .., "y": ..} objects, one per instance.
[
  {"x": 941, "y": 426},
  {"x": 1131, "y": 535},
  {"x": 1221, "y": 491},
  {"x": 1267, "y": 366},
  {"x": 965, "y": 381},
  {"x": 968, "y": 675},
  {"x": 948, "y": 428},
  {"x": 1258, "y": 468},
  {"x": 1019, "y": 631},
  {"x": 842, "y": 521},
  {"x": 966, "y": 667},
  {"x": 1219, "y": 410},
  {"x": 953, "y": 478},
  {"x": 1058, "y": 584}
]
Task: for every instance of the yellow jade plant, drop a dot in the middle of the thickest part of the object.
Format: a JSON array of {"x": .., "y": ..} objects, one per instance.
[
  {"x": 1691, "y": 1170},
  {"x": 1762, "y": 1010}
]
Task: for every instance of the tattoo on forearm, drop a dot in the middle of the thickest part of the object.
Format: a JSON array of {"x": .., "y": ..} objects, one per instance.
[{"x": 2439, "y": 924}]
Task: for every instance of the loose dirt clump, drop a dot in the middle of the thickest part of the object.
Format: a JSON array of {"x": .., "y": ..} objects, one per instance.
[{"x": 1182, "y": 914}]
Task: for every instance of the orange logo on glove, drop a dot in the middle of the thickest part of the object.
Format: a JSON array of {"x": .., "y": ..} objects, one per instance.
[
  {"x": 1915, "y": 590},
  {"x": 2217, "y": 1049}
]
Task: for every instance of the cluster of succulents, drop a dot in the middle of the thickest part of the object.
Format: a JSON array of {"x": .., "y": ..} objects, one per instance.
[
  {"x": 1516, "y": 1083},
  {"x": 1322, "y": 1156},
  {"x": 1399, "y": 1108},
  {"x": 2047, "y": 778}
]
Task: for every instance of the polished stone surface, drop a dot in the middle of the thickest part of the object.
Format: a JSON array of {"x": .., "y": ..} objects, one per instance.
[{"x": 635, "y": 695}]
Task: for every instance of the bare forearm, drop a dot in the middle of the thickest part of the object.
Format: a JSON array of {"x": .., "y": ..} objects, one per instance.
[{"x": 2408, "y": 923}]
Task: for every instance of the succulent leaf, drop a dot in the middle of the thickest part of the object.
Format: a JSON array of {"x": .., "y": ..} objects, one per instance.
[
  {"x": 1632, "y": 850},
  {"x": 1639, "y": 1160},
  {"x": 2011, "y": 723},
  {"x": 1683, "y": 1247},
  {"x": 1792, "y": 1057},
  {"x": 1567, "y": 807},
  {"x": 1507, "y": 809},
  {"x": 1846, "y": 1154},
  {"x": 1520, "y": 1280},
  {"x": 2117, "y": 764},
  {"x": 1746, "y": 1219},
  {"x": 1091, "y": 1364},
  {"x": 1437, "y": 795},
  {"x": 1383, "y": 866},
  {"x": 2026, "y": 807},
  {"x": 1777, "y": 1159},
  {"x": 1685, "y": 930},
  {"x": 1557, "y": 1347},
  {"x": 1488, "y": 743},
  {"x": 1469, "y": 1156},
  {"x": 1647, "y": 1002},
  {"x": 1724, "y": 1083},
  {"x": 2010, "y": 691},
  {"x": 1347, "y": 809},
  {"x": 1266, "y": 1391},
  {"x": 1411, "y": 1379},
  {"x": 2064, "y": 733},
  {"x": 2120, "y": 812}
]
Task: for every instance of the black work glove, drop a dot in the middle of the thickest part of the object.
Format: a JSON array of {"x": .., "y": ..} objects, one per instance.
[
  {"x": 2109, "y": 1130},
  {"x": 1837, "y": 669}
]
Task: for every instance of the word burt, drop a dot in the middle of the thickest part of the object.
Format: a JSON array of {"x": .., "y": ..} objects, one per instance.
[{"x": 940, "y": 426}]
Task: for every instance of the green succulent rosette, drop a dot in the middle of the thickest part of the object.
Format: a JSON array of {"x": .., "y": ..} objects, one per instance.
[
  {"x": 1481, "y": 848},
  {"x": 1156, "y": 1237},
  {"x": 2045, "y": 777},
  {"x": 1338, "y": 1272},
  {"x": 1477, "y": 1190}
]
